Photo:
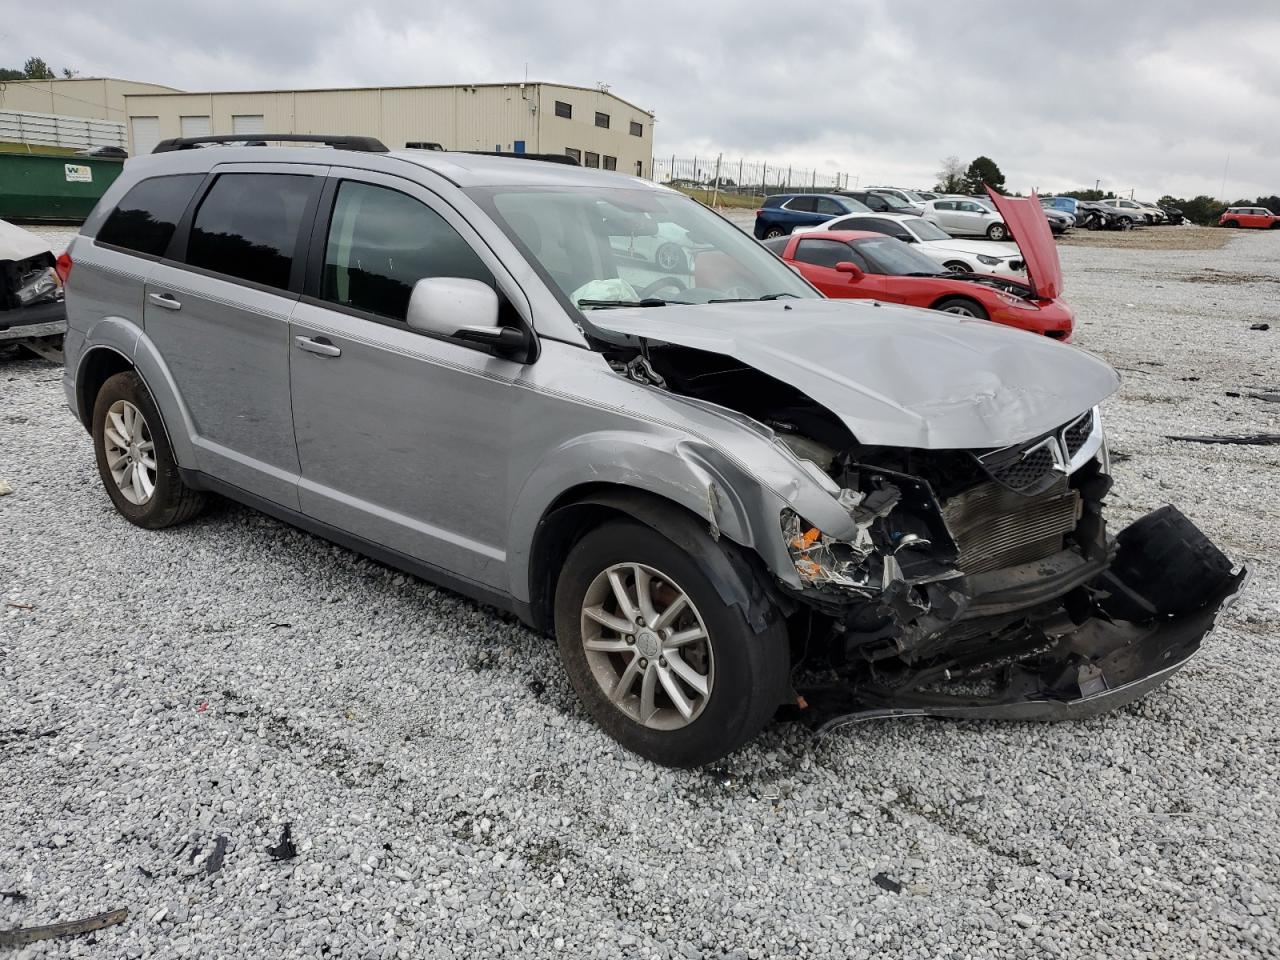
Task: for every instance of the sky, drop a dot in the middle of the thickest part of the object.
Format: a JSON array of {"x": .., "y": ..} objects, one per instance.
[{"x": 1152, "y": 96}]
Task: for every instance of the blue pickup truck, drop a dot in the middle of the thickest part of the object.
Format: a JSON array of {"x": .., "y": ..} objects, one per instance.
[{"x": 783, "y": 212}]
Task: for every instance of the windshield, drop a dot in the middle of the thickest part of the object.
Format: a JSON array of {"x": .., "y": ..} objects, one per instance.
[
  {"x": 603, "y": 247},
  {"x": 894, "y": 258},
  {"x": 924, "y": 230}
]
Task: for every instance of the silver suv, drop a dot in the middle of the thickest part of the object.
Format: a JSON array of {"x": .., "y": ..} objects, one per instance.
[{"x": 723, "y": 494}]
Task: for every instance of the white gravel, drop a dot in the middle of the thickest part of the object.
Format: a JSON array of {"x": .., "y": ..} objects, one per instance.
[{"x": 449, "y": 798}]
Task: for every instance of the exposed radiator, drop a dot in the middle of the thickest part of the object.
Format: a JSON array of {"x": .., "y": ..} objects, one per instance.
[{"x": 995, "y": 527}]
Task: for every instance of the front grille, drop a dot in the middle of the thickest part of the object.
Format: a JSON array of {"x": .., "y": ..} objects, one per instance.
[
  {"x": 995, "y": 527},
  {"x": 1076, "y": 434},
  {"x": 1025, "y": 471}
]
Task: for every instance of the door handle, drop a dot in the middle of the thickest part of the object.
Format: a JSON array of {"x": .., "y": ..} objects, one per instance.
[
  {"x": 166, "y": 300},
  {"x": 319, "y": 346}
]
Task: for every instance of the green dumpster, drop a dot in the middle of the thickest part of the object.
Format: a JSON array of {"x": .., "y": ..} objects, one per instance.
[{"x": 39, "y": 187}]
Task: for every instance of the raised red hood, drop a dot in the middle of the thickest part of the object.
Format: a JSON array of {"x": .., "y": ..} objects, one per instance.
[{"x": 1027, "y": 224}]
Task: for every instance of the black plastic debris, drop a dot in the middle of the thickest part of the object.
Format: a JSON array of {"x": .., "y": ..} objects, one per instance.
[
  {"x": 214, "y": 863},
  {"x": 17, "y": 896},
  {"x": 1266, "y": 397},
  {"x": 1259, "y": 326},
  {"x": 284, "y": 850},
  {"x": 886, "y": 882},
  {"x": 71, "y": 928},
  {"x": 1248, "y": 440}
]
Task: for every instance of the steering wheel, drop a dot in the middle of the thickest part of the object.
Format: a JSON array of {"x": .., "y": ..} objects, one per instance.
[{"x": 663, "y": 283}]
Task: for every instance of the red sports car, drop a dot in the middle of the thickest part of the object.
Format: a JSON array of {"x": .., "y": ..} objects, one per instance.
[{"x": 860, "y": 264}]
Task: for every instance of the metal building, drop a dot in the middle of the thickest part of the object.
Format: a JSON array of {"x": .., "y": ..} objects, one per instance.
[
  {"x": 594, "y": 126},
  {"x": 92, "y": 98}
]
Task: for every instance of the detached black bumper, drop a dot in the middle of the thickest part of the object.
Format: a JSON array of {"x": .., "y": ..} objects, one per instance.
[
  {"x": 1160, "y": 597},
  {"x": 39, "y": 320}
]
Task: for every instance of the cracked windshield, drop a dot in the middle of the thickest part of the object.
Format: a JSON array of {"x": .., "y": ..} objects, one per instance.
[{"x": 612, "y": 248}]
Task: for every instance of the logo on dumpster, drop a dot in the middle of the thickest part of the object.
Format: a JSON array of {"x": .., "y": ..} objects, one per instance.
[{"x": 78, "y": 173}]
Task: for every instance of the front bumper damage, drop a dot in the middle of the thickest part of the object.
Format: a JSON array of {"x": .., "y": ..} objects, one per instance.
[{"x": 1068, "y": 636}]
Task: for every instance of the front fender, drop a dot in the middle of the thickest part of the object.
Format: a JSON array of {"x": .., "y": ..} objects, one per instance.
[{"x": 688, "y": 472}]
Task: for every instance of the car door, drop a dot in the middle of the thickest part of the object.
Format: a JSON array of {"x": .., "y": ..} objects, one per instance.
[
  {"x": 971, "y": 218},
  {"x": 944, "y": 215},
  {"x": 820, "y": 258},
  {"x": 403, "y": 438},
  {"x": 217, "y": 308},
  {"x": 801, "y": 210},
  {"x": 826, "y": 209}
]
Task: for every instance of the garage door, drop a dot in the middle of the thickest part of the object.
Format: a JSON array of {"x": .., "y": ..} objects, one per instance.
[
  {"x": 144, "y": 134},
  {"x": 195, "y": 127},
  {"x": 247, "y": 123}
]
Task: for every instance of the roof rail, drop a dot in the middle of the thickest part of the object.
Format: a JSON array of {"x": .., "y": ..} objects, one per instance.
[
  {"x": 544, "y": 157},
  {"x": 343, "y": 142}
]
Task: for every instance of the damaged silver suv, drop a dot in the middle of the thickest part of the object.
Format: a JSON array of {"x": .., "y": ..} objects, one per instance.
[{"x": 589, "y": 400}]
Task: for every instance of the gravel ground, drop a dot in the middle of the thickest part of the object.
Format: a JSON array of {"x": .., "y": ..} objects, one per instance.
[
  {"x": 1186, "y": 237},
  {"x": 172, "y": 700}
]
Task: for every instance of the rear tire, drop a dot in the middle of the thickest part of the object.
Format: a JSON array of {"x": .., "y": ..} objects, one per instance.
[
  {"x": 745, "y": 674},
  {"x": 997, "y": 231},
  {"x": 134, "y": 457},
  {"x": 1232, "y": 224},
  {"x": 964, "y": 307},
  {"x": 773, "y": 233}
]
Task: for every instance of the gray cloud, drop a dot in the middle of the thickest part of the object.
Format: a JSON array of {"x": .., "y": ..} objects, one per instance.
[{"x": 1150, "y": 96}]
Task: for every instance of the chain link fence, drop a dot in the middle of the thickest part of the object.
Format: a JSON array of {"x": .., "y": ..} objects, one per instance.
[{"x": 719, "y": 181}]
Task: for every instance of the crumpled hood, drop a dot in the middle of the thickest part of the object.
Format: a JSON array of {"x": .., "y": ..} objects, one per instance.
[
  {"x": 897, "y": 376},
  {"x": 19, "y": 244}
]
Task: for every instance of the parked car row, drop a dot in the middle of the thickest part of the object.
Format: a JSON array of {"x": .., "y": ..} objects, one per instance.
[{"x": 1116, "y": 213}]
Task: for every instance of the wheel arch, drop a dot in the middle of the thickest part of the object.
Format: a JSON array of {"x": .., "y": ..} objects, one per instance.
[
  {"x": 116, "y": 346},
  {"x": 739, "y": 578}
]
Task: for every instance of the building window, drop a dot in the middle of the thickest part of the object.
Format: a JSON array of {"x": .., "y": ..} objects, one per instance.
[
  {"x": 637, "y": 129},
  {"x": 593, "y": 159},
  {"x": 602, "y": 120},
  {"x": 574, "y": 153},
  {"x": 564, "y": 110},
  {"x": 611, "y": 163}
]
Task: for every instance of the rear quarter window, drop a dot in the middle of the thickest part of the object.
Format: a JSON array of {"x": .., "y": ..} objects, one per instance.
[{"x": 145, "y": 219}]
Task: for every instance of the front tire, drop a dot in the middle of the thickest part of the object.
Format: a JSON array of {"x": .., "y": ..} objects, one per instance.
[
  {"x": 135, "y": 460},
  {"x": 997, "y": 231},
  {"x": 956, "y": 266},
  {"x": 658, "y": 659},
  {"x": 963, "y": 307}
]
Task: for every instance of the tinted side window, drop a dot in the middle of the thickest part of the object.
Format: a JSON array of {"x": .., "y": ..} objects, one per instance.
[
  {"x": 944, "y": 205},
  {"x": 865, "y": 223},
  {"x": 822, "y": 253},
  {"x": 382, "y": 242},
  {"x": 149, "y": 213},
  {"x": 802, "y": 204},
  {"x": 247, "y": 226},
  {"x": 826, "y": 205}
]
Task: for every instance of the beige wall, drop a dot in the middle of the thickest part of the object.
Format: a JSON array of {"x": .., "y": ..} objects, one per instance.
[
  {"x": 97, "y": 99},
  {"x": 581, "y": 133},
  {"x": 478, "y": 117}
]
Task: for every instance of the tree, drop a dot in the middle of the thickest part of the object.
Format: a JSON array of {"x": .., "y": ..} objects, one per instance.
[
  {"x": 951, "y": 176},
  {"x": 37, "y": 69},
  {"x": 982, "y": 171},
  {"x": 8, "y": 74}
]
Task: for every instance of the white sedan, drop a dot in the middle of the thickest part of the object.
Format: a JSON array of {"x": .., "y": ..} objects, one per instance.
[{"x": 959, "y": 256}]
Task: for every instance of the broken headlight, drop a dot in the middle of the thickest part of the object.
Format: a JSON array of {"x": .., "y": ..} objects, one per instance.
[{"x": 822, "y": 560}]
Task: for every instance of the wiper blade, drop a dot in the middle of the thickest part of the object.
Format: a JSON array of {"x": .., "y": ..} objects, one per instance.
[
  {"x": 646, "y": 302},
  {"x": 922, "y": 273},
  {"x": 767, "y": 296}
]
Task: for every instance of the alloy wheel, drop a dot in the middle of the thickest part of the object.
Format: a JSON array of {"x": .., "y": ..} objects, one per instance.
[
  {"x": 961, "y": 309},
  {"x": 130, "y": 452},
  {"x": 647, "y": 646}
]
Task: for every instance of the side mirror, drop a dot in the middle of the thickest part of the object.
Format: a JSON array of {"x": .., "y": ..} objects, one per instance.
[
  {"x": 854, "y": 271},
  {"x": 462, "y": 309},
  {"x": 907, "y": 238}
]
